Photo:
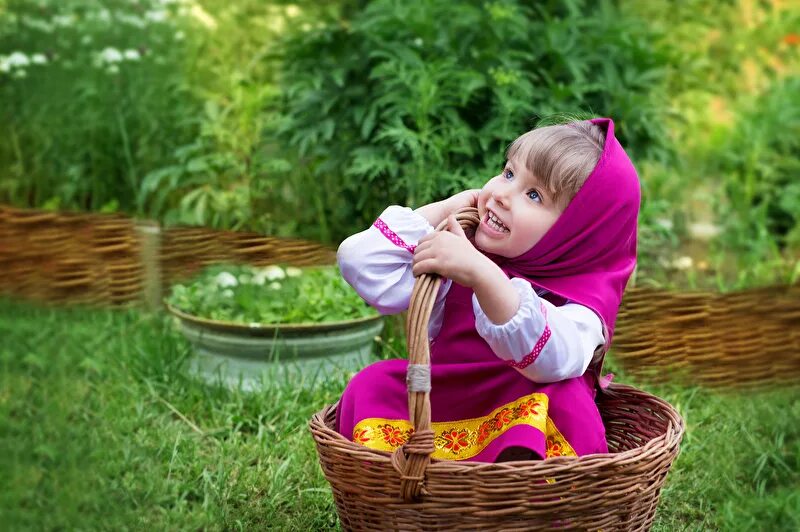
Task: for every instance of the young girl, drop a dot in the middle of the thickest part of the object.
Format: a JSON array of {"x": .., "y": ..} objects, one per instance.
[{"x": 526, "y": 312}]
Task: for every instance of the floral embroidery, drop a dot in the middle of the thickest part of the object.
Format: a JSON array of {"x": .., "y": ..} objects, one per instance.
[
  {"x": 457, "y": 440},
  {"x": 394, "y": 436},
  {"x": 555, "y": 443},
  {"x": 461, "y": 439},
  {"x": 360, "y": 436}
]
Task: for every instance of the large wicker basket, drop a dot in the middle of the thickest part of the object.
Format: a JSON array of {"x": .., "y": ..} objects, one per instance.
[{"x": 406, "y": 490}]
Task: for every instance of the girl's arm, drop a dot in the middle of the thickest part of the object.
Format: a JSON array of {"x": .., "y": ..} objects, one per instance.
[
  {"x": 543, "y": 342},
  {"x": 377, "y": 262}
]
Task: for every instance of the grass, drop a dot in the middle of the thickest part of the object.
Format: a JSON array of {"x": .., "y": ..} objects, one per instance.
[{"x": 100, "y": 428}]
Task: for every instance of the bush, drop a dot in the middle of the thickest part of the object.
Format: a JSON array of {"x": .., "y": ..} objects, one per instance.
[
  {"x": 92, "y": 97},
  {"x": 758, "y": 166},
  {"x": 404, "y": 103}
]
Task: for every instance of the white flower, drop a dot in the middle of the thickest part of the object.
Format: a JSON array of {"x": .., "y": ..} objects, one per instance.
[
  {"x": 225, "y": 279},
  {"x": 704, "y": 231},
  {"x": 294, "y": 272},
  {"x": 683, "y": 263},
  {"x": 38, "y": 59},
  {"x": 665, "y": 223},
  {"x": 18, "y": 59},
  {"x": 157, "y": 15},
  {"x": 275, "y": 285},
  {"x": 272, "y": 273},
  {"x": 64, "y": 20},
  {"x": 131, "y": 20},
  {"x": 131, "y": 55},
  {"x": 104, "y": 15},
  {"x": 110, "y": 55}
]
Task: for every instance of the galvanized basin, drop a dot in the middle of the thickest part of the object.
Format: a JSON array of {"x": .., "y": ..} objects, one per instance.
[{"x": 246, "y": 356}]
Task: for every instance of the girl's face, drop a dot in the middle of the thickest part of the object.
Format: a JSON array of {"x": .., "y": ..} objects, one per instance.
[{"x": 516, "y": 211}]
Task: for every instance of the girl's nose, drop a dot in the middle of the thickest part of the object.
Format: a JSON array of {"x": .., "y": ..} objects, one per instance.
[{"x": 500, "y": 195}]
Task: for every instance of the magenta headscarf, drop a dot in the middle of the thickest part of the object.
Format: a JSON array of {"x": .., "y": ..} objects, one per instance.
[{"x": 590, "y": 252}]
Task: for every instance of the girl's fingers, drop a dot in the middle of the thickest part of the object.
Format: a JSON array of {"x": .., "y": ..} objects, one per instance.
[
  {"x": 425, "y": 266},
  {"x": 425, "y": 254},
  {"x": 426, "y": 238},
  {"x": 421, "y": 246},
  {"x": 454, "y": 226}
]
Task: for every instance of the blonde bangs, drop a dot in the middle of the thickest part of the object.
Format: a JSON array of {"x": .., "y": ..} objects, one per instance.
[{"x": 561, "y": 157}]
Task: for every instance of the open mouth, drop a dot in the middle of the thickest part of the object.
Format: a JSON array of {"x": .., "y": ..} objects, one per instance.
[{"x": 493, "y": 222}]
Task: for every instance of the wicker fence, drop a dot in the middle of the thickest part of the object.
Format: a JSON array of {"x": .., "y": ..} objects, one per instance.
[
  {"x": 738, "y": 339},
  {"x": 748, "y": 338},
  {"x": 104, "y": 259}
]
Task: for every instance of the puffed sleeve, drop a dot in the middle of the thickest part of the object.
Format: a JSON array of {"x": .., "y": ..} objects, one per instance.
[
  {"x": 377, "y": 263},
  {"x": 543, "y": 342}
]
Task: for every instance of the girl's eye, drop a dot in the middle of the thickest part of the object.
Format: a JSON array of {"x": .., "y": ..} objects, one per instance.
[
  {"x": 535, "y": 196},
  {"x": 508, "y": 174}
]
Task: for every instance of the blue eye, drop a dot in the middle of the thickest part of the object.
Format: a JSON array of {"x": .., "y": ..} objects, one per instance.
[
  {"x": 508, "y": 174},
  {"x": 535, "y": 196}
]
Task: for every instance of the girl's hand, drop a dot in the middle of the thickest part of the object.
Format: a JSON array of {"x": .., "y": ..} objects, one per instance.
[
  {"x": 451, "y": 255},
  {"x": 467, "y": 198},
  {"x": 438, "y": 211}
]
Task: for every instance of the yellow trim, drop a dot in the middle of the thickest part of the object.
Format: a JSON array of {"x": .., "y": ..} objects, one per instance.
[
  {"x": 556, "y": 443},
  {"x": 459, "y": 440}
]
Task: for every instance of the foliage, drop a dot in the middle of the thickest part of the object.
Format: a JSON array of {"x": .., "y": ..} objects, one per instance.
[
  {"x": 731, "y": 204},
  {"x": 153, "y": 107},
  {"x": 405, "y": 103},
  {"x": 759, "y": 163},
  {"x": 102, "y": 428},
  {"x": 93, "y": 94},
  {"x": 270, "y": 295}
]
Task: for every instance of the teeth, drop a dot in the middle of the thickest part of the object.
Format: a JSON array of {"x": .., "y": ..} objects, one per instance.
[{"x": 495, "y": 223}]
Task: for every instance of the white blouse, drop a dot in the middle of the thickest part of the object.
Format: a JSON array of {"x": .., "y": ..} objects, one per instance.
[{"x": 544, "y": 342}]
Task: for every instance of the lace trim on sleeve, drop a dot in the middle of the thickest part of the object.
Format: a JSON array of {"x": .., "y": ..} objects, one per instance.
[
  {"x": 531, "y": 357},
  {"x": 391, "y": 235}
]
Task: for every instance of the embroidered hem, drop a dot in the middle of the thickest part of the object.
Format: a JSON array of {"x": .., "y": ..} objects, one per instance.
[{"x": 459, "y": 440}]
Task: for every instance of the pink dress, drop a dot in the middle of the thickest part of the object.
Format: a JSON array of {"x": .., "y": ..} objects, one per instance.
[{"x": 480, "y": 405}]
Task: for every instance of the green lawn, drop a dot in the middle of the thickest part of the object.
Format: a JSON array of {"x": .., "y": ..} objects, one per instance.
[{"x": 100, "y": 428}]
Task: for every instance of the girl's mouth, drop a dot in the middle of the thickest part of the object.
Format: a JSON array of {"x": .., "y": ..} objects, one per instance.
[{"x": 493, "y": 226}]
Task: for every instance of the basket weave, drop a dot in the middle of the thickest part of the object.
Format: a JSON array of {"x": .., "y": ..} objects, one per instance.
[
  {"x": 97, "y": 259},
  {"x": 739, "y": 339},
  {"x": 69, "y": 257},
  {"x": 406, "y": 490}
]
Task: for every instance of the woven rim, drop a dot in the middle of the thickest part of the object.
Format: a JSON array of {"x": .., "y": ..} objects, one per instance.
[{"x": 413, "y": 459}]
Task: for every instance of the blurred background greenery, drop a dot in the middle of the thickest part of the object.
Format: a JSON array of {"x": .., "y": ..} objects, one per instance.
[{"x": 307, "y": 118}]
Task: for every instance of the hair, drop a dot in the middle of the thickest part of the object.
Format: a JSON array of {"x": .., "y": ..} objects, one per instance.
[{"x": 560, "y": 156}]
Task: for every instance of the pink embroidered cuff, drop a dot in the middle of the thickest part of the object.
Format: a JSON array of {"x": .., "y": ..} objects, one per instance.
[
  {"x": 531, "y": 357},
  {"x": 391, "y": 235}
]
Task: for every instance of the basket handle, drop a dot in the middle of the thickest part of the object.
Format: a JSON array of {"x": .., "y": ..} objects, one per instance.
[{"x": 413, "y": 457}]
